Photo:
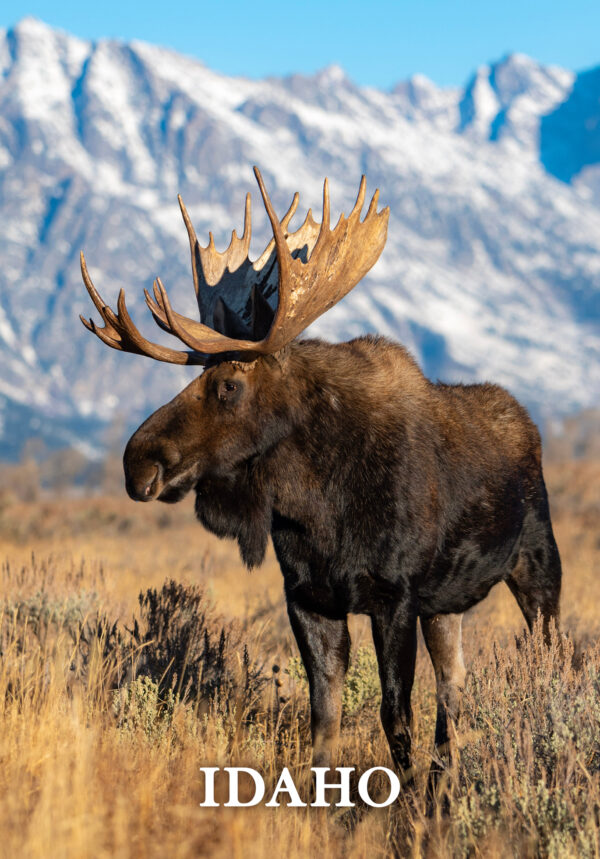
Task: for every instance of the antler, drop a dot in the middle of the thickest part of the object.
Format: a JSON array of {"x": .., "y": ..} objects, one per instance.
[{"x": 316, "y": 267}]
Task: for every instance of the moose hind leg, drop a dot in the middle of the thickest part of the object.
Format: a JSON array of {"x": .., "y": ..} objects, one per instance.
[
  {"x": 443, "y": 637},
  {"x": 536, "y": 577},
  {"x": 324, "y": 645}
]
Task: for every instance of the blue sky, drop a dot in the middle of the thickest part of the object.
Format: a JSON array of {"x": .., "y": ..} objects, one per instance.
[{"x": 377, "y": 43}]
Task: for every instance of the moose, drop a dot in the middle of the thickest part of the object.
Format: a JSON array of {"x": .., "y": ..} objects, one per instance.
[{"x": 384, "y": 493}]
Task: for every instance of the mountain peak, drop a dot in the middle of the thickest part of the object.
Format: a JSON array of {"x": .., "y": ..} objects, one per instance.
[
  {"x": 32, "y": 27},
  {"x": 504, "y": 100},
  {"x": 29, "y": 23},
  {"x": 331, "y": 75}
]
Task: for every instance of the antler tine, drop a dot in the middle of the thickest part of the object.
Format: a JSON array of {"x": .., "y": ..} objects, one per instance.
[
  {"x": 154, "y": 304},
  {"x": 120, "y": 333},
  {"x": 165, "y": 305},
  {"x": 238, "y": 248},
  {"x": 324, "y": 232},
  {"x": 373, "y": 205},
  {"x": 93, "y": 292},
  {"x": 326, "y": 214},
  {"x": 283, "y": 253},
  {"x": 360, "y": 198},
  {"x": 101, "y": 333},
  {"x": 173, "y": 326},
  {"x": 247, "y": 235},
  {"x": 290, "y": 212},
  {"x": 192, "y": 239}
]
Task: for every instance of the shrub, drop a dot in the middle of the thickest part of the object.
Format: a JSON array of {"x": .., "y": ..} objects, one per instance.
[
  {"x": 138, "y": 706},
  {"x": 185, "y": 648},
  {"x": 533, "y": 750}
]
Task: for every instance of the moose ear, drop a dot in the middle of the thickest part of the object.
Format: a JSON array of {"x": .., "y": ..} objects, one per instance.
[{"x": 229, "y": 390}]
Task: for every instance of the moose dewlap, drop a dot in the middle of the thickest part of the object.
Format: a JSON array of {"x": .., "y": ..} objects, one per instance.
[{"x": 384, "y": 494}]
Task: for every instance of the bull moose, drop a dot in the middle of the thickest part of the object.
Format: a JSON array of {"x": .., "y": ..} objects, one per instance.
[{"x": 384, "y": 494}]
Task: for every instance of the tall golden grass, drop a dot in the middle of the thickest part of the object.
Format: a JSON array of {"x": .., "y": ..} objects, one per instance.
[{"x": 101, "y": 747}]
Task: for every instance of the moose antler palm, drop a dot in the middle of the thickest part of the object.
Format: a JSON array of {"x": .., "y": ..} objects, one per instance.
[{"x": 315, "y": 268}]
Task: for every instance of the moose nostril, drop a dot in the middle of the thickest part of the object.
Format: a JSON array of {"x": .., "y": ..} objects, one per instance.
[{"x": 151, "y": 484}]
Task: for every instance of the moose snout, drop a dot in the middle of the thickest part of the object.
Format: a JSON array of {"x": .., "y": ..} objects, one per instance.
[
  {"x": 147, "y": 471},
  {"x": 144, "y": 484}
]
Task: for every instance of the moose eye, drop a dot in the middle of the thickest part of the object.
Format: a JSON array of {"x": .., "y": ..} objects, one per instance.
[{"x": 229, "y": 391}]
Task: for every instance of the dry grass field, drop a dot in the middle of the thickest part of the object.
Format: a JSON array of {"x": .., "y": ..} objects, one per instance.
[{"x": 107, "y": 711}]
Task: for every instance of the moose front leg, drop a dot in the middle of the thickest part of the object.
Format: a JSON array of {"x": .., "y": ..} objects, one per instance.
[
  {"x": 325, "y": 648},
  {"x": 395, "y": 638}
]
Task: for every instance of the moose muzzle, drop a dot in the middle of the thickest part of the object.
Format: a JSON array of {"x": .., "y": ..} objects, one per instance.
[{"x": 149, "y": 466}]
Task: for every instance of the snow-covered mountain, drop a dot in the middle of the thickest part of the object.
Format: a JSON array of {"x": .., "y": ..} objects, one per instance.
[{"x": 492, "y": 267}]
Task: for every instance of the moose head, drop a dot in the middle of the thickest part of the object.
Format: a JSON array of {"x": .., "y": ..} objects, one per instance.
[{"x": 250, "y": 311}]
